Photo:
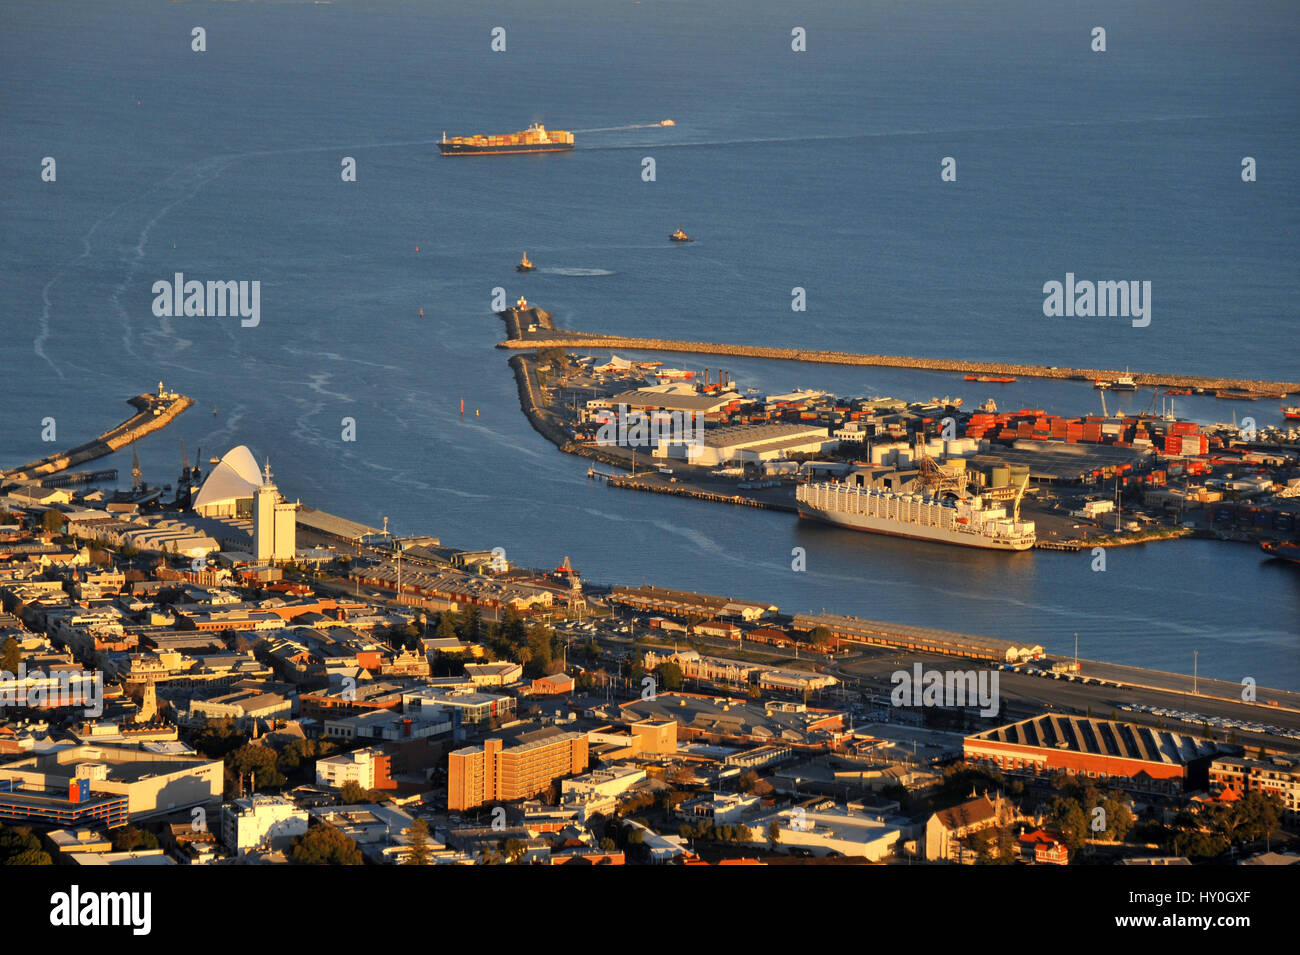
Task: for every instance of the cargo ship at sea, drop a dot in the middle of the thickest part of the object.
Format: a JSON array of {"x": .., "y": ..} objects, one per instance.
[
  {"x": 535, "y": 139},
  {"x": 1286, "y": 550},
  {"x": 941, "y": 511}
]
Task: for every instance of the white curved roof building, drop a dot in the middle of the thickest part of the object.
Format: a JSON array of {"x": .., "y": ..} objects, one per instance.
[{"x": 229, "y": 489}]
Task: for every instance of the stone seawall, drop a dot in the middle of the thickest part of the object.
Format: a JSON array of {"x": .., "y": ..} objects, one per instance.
[
  {"x": 582, "y": 340},
  {"x": 531, "y": 404}
]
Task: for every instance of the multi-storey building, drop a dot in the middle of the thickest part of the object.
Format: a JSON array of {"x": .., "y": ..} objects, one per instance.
[
  {"x": 1279, "y": 776},
  {"x": 498, "y": 772}
]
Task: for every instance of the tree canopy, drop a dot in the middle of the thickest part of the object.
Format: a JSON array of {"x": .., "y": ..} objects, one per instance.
[{"x": 324, "y": 845}]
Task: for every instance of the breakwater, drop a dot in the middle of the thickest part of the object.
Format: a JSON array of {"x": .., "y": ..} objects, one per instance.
[
  {"x": 518, "y": 320},
  {"x": 585, "y": 340},
  {"x": 154, "y": 411}
]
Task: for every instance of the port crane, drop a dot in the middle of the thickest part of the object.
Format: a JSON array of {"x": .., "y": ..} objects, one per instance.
[
  {"x": 938, "y": 480},
  {"x": 137, "y": 478}
]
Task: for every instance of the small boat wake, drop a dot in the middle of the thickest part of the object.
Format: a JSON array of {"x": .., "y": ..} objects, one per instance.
[
  {"x": 576, "y": 273},
  {"x": 614, "y": 129}
]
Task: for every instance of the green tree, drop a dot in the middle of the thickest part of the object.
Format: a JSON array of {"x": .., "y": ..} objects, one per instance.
[
  {"x": 258, "y": 760},
  {"x": 668, "y": 676},
  {"x": 20, "y": 847},
  {"x": 1069, "y": 819},
  {"x": 130, "y": 838},
  {"x": 420, "y": 853},
  {"x": 1119, "y": 817},
  {"x": 471, "y": 626},
  {"x": 324, "y": 845},
  {"x": 52, "y": 522},
  {"x": 446, "y": 625},
  {"x": 1247, "y": 820},
  {"x": 10, "y": 656},
  {"x": 820, "y": 637},
  {"x": 352, "y": 793},
  {"x": 216, "y": 738},
  {"x": 774, "y": 832}
]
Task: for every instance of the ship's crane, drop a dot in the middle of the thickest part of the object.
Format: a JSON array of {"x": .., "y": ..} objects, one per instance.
[{"x": 1012, "y": 492}]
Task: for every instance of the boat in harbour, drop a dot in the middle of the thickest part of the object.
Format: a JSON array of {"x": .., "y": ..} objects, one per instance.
[
  {"x": 1286, "y": 550},
  {"x": 1122, "y": 382},
  {"x": 525, "y": 265},
  {"x": 942, "y": 511}
]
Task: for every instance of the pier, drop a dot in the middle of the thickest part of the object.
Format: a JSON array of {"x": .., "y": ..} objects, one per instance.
[
  {"x": 640, "y": 484},
  {"x": 80, "y": 477},
  {"x": 154, "y": 411},
  {"x": 559, "y": 338}
]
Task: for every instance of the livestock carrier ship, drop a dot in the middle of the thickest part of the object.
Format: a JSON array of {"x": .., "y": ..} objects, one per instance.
[
  {"x": 535, "y": 139},
  {"x": 979, "y": 520}
]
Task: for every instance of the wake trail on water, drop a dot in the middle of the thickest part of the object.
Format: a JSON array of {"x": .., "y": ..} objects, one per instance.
[
  {"x": 577, "y": 273},
  {"x": 908, "y": 133},
  {"x": 615, "y": 129}
]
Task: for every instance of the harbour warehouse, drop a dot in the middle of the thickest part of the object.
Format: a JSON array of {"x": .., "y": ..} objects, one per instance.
[
  {"x": 1135, "y": 756},
  {"x": 918, "y": 639}
]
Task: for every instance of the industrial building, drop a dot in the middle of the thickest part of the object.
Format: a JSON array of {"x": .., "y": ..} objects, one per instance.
[
  {"x": 918, "y": 639},
  {"x": 74, "y": 806},
  {"x": 152, "y": 783},
  {"x": 682, "y": 603},
  {"x": 680, "y": 398},
  {"x": 1062, "y": 462},
  {"x": 750, "y": 443},
  {"x": 1131, "y": 755},
  {"x": 725, "y": 721}
]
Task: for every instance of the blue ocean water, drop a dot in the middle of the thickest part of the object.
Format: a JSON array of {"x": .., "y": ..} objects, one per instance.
[{"x": 816, "y": 169}]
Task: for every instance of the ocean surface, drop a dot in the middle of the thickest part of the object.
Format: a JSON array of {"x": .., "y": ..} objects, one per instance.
[{"x": 817, "y": 169}]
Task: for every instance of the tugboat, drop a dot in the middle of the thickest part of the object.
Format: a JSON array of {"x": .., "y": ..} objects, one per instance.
[
  {"x": 524, "y": 265},
  {"x": 1292, "y": 413},
  {"x": 1123, "y": 382},
  {"x": 680, "y": 236}
]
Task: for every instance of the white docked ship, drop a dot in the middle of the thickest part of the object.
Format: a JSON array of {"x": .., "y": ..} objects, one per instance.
[{"x": 974, "y": 521}]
